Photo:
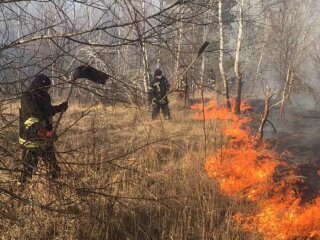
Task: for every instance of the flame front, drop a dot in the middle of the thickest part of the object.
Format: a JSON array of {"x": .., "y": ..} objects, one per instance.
[{"x": 244, "y": 170}]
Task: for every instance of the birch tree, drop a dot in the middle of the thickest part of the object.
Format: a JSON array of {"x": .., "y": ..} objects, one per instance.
[
  {"x": 237, "y": 69},
  {"x": 221, "y": 57}
]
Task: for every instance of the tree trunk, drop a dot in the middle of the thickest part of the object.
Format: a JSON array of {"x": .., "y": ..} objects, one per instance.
[
  {"x": 204, "y": 38},
  {"x": 237, "y": 71},
  {"x": 159, "y": 49},
  {"x": 205, "y": 34},
  {"x": 145, "y": 66},
  {"x": 145, "y": 53},
  {"x": 287, "y": 89},
  {"x": 221, "y": 58},
  {"x": 260, "y": 133},
  {"x": 177, "y": 64}
]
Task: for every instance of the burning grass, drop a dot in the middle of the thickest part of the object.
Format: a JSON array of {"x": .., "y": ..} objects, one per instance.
[
  {"x": 243, "y": 169},
  {"x": 126, "y": 177}
]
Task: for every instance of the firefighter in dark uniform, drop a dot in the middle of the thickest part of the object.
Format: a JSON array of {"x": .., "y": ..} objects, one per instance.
[
  {"x": 158, "y": 91},
  {"x": 36, "y": 135}
]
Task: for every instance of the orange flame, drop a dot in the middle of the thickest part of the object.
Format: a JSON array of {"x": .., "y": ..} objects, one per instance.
[{"x": 247, "y": 171}]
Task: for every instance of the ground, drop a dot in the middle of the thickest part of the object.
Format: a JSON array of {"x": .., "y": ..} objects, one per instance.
[{"x": 123, "y": 177}]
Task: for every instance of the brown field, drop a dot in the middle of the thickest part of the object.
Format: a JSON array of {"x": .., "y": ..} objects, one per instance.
[{"x": 123, "y": 177}]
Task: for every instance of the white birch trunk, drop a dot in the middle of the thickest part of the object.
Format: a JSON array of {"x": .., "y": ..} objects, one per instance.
[
  {"x": 145, "y": 53},
  {"x": 221, "y": 58},
  {"x": 209, "y": 16},
  {"x": 287, "y": 89},
  {"x": 205, "y": 35},
  {"x": 159, "y": 49},
  {"x": 237, "y": 59},
  {"x": 177, "y": 64}
]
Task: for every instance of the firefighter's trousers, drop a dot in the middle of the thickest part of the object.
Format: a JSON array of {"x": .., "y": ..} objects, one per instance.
[
  {"x": 30, "y": 158},
  {"x": 165, "y": 110}
]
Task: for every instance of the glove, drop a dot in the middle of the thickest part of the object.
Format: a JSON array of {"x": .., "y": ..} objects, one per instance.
[
  {"x": 44, "y": 133},
  {"x": 63, "y": 106}
]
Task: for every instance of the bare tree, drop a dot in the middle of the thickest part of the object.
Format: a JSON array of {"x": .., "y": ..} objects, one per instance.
[
  {"x": 221, "y": 57},
  {"x": 237, "y": 69}
]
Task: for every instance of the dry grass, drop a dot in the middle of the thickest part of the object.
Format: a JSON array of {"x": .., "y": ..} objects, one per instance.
[{"x": 123, "y": 177}]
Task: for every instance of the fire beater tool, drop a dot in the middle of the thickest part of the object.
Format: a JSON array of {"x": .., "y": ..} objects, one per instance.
[
  {"x": 88, "y": 72},
  {"x": 200, "y": 51}
]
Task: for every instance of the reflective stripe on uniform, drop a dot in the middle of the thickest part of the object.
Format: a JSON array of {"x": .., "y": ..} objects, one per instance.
[
  {"x": 157, "y": 84},
  {"x": 30, "y": 144},
  {"x": 30, "y": 121}
]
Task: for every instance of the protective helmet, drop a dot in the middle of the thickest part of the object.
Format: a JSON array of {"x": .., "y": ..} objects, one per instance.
[
  {"x": 41, "y": 81},
  {"x": 157, "y": 72}
]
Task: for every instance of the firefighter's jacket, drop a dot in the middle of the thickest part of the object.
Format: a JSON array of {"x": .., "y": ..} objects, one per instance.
[
  {"x": 158, "y": 90},
  {"x": 36, "y": 113}
]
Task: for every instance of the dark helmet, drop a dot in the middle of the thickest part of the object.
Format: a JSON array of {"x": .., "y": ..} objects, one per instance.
[
  {"x": 41, "y": 81},
  {"x": 157, "y": 72}
]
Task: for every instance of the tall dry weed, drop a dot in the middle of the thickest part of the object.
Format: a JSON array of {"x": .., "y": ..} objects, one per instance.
[{"x": 123, "y": 177}]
